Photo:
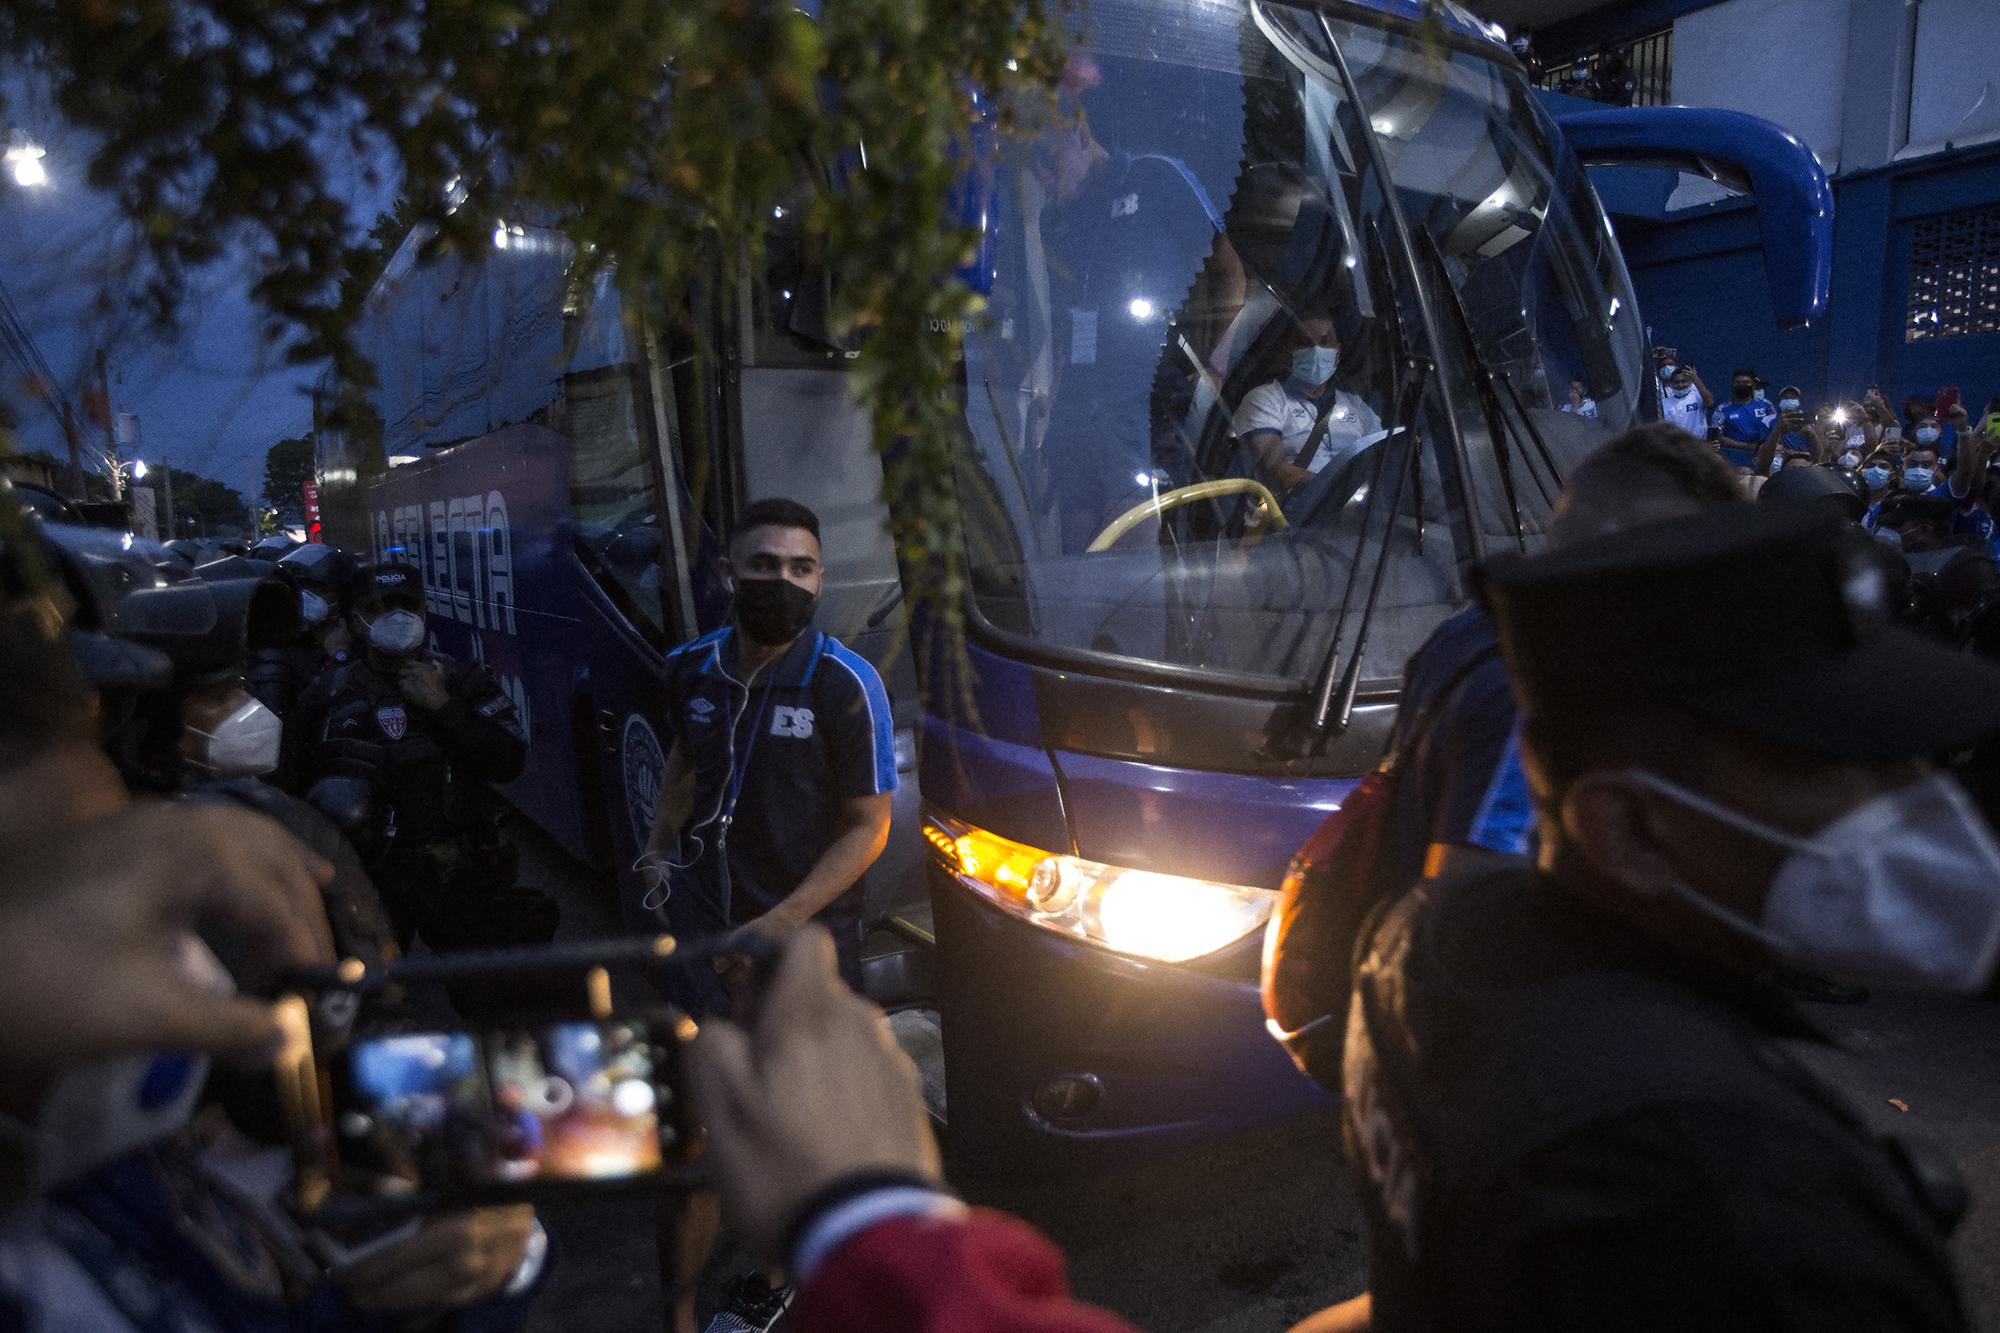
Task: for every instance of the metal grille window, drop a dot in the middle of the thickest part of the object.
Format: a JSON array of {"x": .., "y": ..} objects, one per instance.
[
  {"x": 1638, "y": 73},
  {"x": 1954, "y": 275}
]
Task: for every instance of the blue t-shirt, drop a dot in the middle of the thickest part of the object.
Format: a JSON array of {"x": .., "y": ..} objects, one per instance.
[
  {"x": 1745, "y": 423},
  {"x": 1466, "y": 766}
]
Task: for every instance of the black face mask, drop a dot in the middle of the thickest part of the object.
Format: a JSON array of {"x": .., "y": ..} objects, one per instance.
[
  {"x": 1742, "y": 392},
  {"x": 773, "y": 611}
]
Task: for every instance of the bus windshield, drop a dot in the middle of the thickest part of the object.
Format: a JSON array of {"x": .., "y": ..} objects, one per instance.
[{"x": 1205, "y": 299}]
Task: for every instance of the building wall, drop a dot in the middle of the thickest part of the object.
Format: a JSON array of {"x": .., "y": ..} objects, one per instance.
[
  {"x": 1955, "y": 96},
  {"x": 1700, "y": 283},
  {"x": 1899, "y": 100}
]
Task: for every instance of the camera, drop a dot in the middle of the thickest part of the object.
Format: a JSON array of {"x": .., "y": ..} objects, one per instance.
[{"x": 570, "y": 1094}]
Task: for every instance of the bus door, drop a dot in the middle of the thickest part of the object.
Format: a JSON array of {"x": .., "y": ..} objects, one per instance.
[{"x": 629, "y": 522}]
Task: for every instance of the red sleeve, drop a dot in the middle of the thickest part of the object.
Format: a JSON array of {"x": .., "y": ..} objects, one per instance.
[{"x": 983, "y": 1273}]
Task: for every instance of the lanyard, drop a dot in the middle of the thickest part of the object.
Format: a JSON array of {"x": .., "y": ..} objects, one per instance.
[{"x": 740, "y": 770}]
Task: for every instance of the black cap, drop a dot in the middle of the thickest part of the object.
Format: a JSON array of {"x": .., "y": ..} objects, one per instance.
[
  {"x": 1723, "y": 614},
  {"x": 1836, "y": 489},
  {"x": 389, "y": 578}
]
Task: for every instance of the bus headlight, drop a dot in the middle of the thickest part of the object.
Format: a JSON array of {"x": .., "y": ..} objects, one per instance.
[{"x": 1167, "y": 918}]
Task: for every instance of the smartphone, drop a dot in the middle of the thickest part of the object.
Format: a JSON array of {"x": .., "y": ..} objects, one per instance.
[
  {"x": 454, "y": 1117},
  {"x": 1947, "y": 398}
]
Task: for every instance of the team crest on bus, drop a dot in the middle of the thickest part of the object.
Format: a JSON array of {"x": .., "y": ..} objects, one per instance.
[
  {"x": 645, "y": 764},
  {"x": 393, "y": 720}
]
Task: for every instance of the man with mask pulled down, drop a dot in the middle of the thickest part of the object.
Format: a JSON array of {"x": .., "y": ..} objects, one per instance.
[
  {"x": 1569, "y": 1100},
  {"x": 776, "y": 795},
  {"x": 400, "y": 746}
]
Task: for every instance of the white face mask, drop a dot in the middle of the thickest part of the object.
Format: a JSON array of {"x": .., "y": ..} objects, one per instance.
[
  {"x": 313, "y": 608},
  {"x": 1850, "y": 460},
  {"x": 1902, "y": 890},
  {"x": 243, "y": 745},
  {"x": 1917, "y": 478},
  {"x": 1789, "y": 404},
  {"x": 397, "y": 632},
  {"x": 1929, "y": 434},
  {"x": 1315, "y": 365},
  {"x": 99, "y": 1112}
]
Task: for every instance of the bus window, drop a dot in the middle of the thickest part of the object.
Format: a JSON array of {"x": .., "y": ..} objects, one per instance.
[
  {"x": 792, "y": 306},
  {"x": 614, "y": 492}
]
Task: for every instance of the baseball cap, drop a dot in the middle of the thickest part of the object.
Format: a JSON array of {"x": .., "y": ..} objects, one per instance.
[
  {"x": 1720, "y": 615},
  {"x": 391, "y": 578}
]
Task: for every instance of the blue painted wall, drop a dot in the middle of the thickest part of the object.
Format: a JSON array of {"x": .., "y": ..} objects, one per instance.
[{"x": 1700, "y": 282}]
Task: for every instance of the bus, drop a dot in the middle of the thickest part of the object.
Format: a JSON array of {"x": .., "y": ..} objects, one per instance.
[
  {"x": 1285, "y": 302},
  {"x": 1184, "y": 650}
]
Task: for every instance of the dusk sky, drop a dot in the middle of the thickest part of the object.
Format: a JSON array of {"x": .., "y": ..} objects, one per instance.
[{"x": 215, "y": 395}]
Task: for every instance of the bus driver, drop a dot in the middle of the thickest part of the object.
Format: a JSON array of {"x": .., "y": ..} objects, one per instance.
[
  {"x": 1296, "y": 425},
  {"x": 776, "y": 794}
]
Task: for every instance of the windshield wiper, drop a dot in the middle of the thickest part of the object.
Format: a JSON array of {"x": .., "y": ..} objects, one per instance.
[
  {"x": 1333, "y": 695},
  {"x": 1333, "y": 690},
  {"x": 1489, "y": 394},
  {"x": 1506, "y": 381}
]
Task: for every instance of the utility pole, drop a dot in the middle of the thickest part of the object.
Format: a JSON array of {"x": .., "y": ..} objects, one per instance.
[
  {"x": 72, "y": 431},
  {"x": 110, "y": 435},
  {"x": 129, "y": 441}
]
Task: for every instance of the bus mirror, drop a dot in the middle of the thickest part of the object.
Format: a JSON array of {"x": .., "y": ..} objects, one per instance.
[{"x": 1744, "y": 154}]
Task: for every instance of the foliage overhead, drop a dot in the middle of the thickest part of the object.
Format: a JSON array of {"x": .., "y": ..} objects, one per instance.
[
  {"x": 201, "y": 504},
  {"x": 288, "y": 466},
  {"x": 661, "y": 134}
]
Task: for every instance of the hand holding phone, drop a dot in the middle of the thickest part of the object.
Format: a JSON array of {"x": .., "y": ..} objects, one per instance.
[
  {"x": 446, "y": 1262},
  {"x": 814, "y": 1091}
]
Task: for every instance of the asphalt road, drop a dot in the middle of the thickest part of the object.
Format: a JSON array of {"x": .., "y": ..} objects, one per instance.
[{"x": 1253, "y": 1232}]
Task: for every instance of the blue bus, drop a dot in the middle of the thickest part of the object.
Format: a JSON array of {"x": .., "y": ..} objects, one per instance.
[{"x": 1285, "y": 306}]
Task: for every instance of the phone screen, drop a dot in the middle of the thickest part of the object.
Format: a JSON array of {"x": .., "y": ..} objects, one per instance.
[{"x": 460, "y": 1113}]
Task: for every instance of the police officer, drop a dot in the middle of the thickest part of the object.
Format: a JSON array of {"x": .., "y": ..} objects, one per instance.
[
  {"x": 777, "y": 790},
  {"x": 1449, "y": 792},
  {"x": 279, "y": 669},
  {"x": 401, "y": 746},
  {"x": 1567, "y": 1098}
]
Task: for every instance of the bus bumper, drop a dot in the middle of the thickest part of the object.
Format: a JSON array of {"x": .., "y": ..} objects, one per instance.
[{"x": 1063, "y": 1055}]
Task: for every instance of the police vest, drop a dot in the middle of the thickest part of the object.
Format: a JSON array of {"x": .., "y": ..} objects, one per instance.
[{"x": 370, "y": 733}]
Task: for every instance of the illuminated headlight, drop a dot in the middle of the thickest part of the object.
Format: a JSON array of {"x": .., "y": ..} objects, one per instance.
[{"x": 1168, "y": 918}]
